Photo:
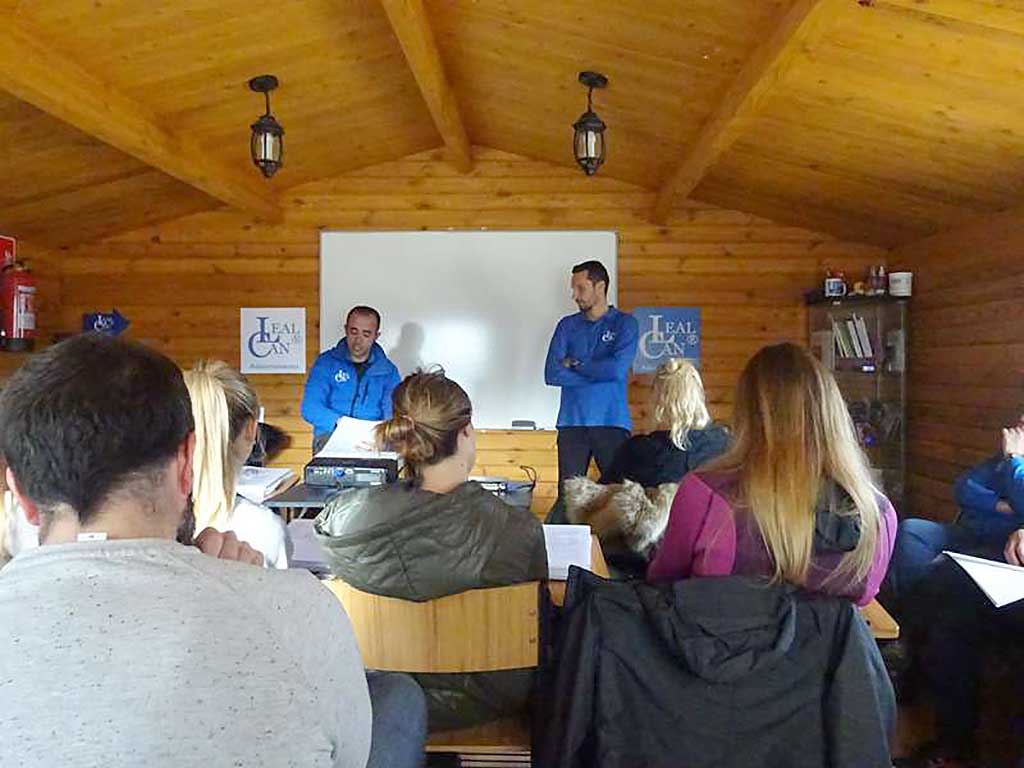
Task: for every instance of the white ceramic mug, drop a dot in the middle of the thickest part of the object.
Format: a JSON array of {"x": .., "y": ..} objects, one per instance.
[
  {"x": 901, "y": 283},
  {"x": 835, "y": 287}
]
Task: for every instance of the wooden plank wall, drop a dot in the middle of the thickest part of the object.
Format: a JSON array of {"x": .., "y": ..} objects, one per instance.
[
  {"x": 967, "y": 355},
  {"x": 181, "y": 283}
]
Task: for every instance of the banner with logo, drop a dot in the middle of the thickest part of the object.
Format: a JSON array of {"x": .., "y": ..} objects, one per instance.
[
  {"x": 666, "y": 332},
  {"x": 273, "y": 340}
]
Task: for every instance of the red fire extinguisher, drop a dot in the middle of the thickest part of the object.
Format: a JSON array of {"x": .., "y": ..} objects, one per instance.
[{"x": 18, "y": 300}]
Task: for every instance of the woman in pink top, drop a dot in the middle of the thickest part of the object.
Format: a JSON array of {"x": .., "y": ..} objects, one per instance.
[{"x": 792, "y": 500}]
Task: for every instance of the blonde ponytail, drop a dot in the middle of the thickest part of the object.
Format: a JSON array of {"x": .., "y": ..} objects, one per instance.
[{"x": 222, "y": 404}]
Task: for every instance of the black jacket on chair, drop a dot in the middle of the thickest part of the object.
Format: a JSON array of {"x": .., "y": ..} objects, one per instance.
[{"x": 711, "y": 673}]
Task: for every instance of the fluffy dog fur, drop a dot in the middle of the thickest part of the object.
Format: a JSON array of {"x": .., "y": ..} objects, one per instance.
[{"x": 628, "y": 512}]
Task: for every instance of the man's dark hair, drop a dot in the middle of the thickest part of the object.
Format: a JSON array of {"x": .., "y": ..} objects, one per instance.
[
  {"x": 363, "y": 310},
  {"x": 81, "y": 419},
  {"x": 595, "y": 272}
]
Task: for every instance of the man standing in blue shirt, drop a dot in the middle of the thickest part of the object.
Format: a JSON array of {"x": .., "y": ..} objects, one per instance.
[
  {"x": 355, "y": 378},
  {"x": 589, "y": 358}
]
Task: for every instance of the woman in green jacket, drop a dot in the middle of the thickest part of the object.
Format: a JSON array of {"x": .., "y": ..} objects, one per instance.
[{"x": 436, "y": 534}]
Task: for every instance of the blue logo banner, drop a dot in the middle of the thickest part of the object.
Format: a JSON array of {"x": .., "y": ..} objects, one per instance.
[
  {"x": 666, "y": 332},
  {"x": 110, "y": 323}
]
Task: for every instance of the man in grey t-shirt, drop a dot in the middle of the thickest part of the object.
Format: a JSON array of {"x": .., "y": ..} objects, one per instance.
[{"x": 121, "y": 646}]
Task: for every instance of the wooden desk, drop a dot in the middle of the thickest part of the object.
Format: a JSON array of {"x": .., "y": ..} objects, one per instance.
[{"x": 882, "y": 625}]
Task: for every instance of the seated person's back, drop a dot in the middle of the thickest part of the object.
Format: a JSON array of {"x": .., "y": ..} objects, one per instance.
[
  {"x": 684, "y": 437},
  {"x": 792, "y": 499},
  {"x": 122, "y": 646},
  {"x": 629, "y": 508},
  {"x": 436, "y": 534},
  {"x": 226, "y": 409}
]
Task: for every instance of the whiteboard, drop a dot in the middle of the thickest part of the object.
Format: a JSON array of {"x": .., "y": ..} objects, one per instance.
[{"x": 482, "y": 305}]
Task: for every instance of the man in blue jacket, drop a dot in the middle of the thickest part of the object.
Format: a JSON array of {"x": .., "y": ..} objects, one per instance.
[
  {"x": 944, "y": 613},
  {"x": 355, "y": 378},
  {"x": 589, "y": 358},
  {"x": 991, "y": 500}
]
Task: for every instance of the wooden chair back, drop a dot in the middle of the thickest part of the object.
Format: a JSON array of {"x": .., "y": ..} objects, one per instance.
[{"x": 483, "y": 630}]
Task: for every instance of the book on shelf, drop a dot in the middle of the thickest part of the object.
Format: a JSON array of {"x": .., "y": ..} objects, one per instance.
[
  {"x": 863, "y": 335},
  {"x": 852, "y": 339}
]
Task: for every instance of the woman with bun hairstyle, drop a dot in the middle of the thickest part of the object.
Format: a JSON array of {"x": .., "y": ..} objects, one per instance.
[
  {"x": 435, "y": 534},
  {"x": 792, "y": 500}
]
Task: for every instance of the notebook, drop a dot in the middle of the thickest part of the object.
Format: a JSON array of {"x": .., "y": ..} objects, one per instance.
[{"x": 260, "y": 483}]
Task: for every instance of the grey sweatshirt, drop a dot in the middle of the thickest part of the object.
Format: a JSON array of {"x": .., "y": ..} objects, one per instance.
[{"x": 146, "y": 652}]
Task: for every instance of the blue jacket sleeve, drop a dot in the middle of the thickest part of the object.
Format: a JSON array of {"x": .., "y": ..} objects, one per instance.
[
  {"x": 617, "y": 366},
  {"x": 556, "y": 374},
  {"x": 316, "y": 397},
  {"x": 1011, "y": 482},
  {"x": 386, "y": 403},
  {"x": 977, "y": 488}
]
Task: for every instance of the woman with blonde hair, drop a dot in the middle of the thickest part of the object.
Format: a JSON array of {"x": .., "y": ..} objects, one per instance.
[
  {"x": 436, "y": 534},
  {"x": 629, "y": 508},
  {"x": 683, "y": 438},
  {"x": 226, "y": 410},
  {"x": 792, "y": 500}
]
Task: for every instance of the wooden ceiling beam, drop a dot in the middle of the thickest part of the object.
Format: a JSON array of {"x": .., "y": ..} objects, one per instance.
[
  {"x": 412, "y": 28},
  {"x": 765, "y": 67},
  {"x": 33, "y": 72}
]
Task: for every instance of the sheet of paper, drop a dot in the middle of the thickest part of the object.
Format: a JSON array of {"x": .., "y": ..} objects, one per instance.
[
  {"x": 306, "y": 550},
  {"x": 258, "y": 483},
  {"x": 566, "y": 545},
  {"x": 1002, "y": 583},
  {"x": 353, "y": 437}
]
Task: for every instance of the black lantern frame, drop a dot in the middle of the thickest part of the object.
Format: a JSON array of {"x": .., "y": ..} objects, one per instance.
[
  {"x": 266, "y": 143},
  {"x": 588, "y": 141}
]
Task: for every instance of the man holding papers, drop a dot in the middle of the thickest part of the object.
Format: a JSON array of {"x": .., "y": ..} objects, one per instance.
[{"x": 355, "y": 378}]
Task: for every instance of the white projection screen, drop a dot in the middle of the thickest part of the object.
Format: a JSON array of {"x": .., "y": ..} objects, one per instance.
[{"x": 480, "y": 304}]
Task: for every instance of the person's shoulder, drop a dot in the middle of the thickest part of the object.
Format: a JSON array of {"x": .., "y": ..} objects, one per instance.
[
  {"x": 329, "y": 357},
  {"x": 720, "y": 483},
  {"x": 567, "y": 321},
  {"x": 626, "y": 318}
]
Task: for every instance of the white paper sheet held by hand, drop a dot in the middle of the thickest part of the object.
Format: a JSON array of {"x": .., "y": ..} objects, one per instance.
[
  {"x": 352, "y": 437},
  {"x": 1002, "y": 583},
  {"x": 566, "y": 545}
]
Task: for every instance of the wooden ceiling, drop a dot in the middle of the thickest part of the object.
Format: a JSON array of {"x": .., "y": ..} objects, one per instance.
[{"x": 880, "y": 120}]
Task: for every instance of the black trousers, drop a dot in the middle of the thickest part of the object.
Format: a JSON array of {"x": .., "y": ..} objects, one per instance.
[
  {"x": 576, "y": 446},
  {"x": 957, "y": 628}
]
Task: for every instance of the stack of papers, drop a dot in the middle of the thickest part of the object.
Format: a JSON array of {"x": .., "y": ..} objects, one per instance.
[
  {"x": 353, "y": 437},
  {"x": 1002, "y": 583},
  {"x": 566, "y": 545},
  {"x": 259, "y": 483}
]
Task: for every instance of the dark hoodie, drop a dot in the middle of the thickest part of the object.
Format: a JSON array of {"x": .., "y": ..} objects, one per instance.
[
  {"x": 712, "y": 673},
  {"x": 654, "y": 459},
  {"x": 708, "y": 535}
]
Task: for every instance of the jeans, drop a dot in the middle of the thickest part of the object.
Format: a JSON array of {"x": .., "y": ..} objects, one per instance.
[
  {"x": 576, "y": 445},
  {"x": 919, "y": 544},
  {"x": 399, "y": 721}
]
